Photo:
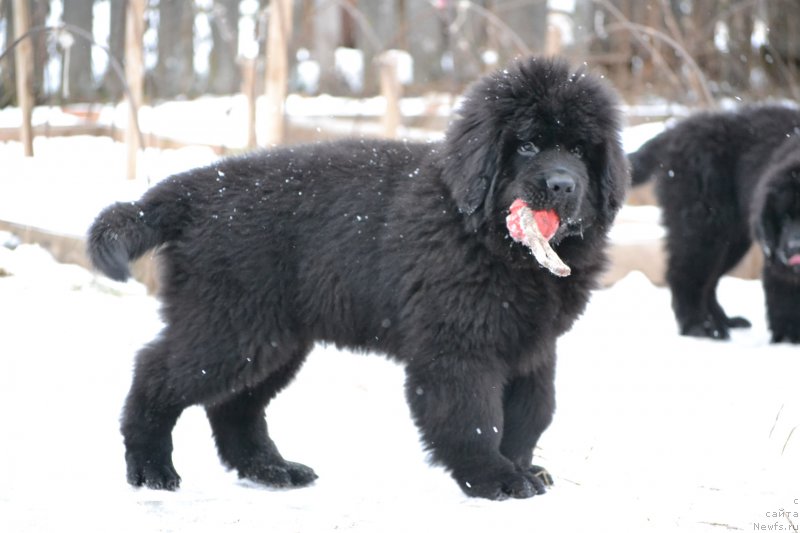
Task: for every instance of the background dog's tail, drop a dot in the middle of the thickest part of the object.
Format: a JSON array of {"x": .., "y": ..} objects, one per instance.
[
  {"x": 645, "y": 161},
  {"x": 124, "y": 231}
]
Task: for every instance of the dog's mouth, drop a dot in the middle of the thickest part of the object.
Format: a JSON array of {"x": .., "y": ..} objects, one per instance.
[
  {"x": 788, "y": 249},
  {"x": 547, "y": 221},
  {"x": 792, "y": 260},
  {"x": 535, "y": 229},
  {"x": 789, "y": 256}
]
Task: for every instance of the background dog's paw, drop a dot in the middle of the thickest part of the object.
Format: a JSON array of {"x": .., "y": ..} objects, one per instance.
[
  {"x": 153, "y": 475},
  {"x": 503, "y": 485},
  {"x": 284, "y": 474},
  {"x": 786, "y": 334},
  {"x": 707, "y": 328},
  {"x": 738, "y": 322},
  {"x": 715, "y": 325}
]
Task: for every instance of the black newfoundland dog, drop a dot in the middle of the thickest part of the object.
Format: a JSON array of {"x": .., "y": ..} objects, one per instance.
[
  {"x": 393, "y": 247},
  {"x": 723, "y": 180}
]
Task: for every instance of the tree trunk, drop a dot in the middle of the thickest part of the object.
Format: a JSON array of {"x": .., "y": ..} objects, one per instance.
[
  {"x": 7, "y": 78},
  {"x": 134, "y": 75},
  {"x": 39, "y": 10},
  {"x": 327, "y": 37},
  {"x": 174, "y": 72},
  {"x": 381, "y": 19},
  {"x": 739, "y": 62},
  {"x": 277, "y": 69},
  {"x": 620, "y": 48},
  {"x": 24, "y": 75},
  {"x": 582, "y": 19},
  {"x": 526, "y": 23},
  {"x": 112, "y": 84},
  {"x": 782, "y": 57},
  {"x": 425, "y": 35},
  {"x": 79, "y": 83},
  {"x": 224, "y": 73},
  {"x": 467, "y": 37}
]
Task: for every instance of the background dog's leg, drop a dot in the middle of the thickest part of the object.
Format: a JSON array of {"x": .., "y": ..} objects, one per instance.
[
  {"x": 783, "y": 307},
  {"x": 240, "y": 431},
  {"x": 458, "y": 405},
  {"x": 694, "y": 268},
  {"x": 529, "y": 402}
]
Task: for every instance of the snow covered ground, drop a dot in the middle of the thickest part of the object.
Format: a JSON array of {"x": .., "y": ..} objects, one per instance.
[{"x": 653, "y": 432}]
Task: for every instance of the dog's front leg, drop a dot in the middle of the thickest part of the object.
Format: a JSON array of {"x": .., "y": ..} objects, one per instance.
[
  {"x": 457, "y": 402},
  {"x": 529, "y": 403}
]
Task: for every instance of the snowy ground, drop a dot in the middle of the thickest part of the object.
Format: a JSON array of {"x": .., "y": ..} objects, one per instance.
[{"x": 654, "y": 432}]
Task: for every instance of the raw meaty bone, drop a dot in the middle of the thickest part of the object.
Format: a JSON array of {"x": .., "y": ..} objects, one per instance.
[{"x": 534, "y": 229}]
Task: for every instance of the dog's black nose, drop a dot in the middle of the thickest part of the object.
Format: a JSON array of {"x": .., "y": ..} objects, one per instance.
[
  {"x": 793, "y": 243},
  {"x": 560, "y": 183}
]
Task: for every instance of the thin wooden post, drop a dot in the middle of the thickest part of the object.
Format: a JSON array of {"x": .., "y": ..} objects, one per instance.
[
  {"x": 554, "y": 43},
  {"x": 277, "y": 71},
  {"x": 249, "y": 90},
  {"x": 24, "y": 73},
  {"x": 391, "y": 90},
  {"x": 134, "y": 75}
]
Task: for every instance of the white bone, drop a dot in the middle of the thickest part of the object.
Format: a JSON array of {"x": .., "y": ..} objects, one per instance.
[{"x": 540, "y": 247}]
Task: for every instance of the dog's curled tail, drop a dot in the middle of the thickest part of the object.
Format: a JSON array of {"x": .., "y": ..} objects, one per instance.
[{"x": 124, "y": 231}]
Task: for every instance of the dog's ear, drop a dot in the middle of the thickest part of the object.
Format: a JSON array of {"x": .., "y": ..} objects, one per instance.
[
  {"x": 614, "y": 181},
  {"x": 765, "y": 217},
  {"x": 472, "y": 162},
  {"x": 766, "y": 237},
  {"x": 766, "y": 228}
]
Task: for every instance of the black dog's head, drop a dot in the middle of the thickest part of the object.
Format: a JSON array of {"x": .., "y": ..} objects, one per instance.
[
  {"x": 777, "y": 208},
  {"x": 538, "y": 132}
]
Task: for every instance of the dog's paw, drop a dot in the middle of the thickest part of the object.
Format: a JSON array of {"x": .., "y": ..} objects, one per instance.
[
  {"x": 158, "y": 475},
  {"x": 504, "y": 485},
  {"x": 540, "y": 475},
  {"x": 715, "y": 325},
  {"x": 284, "y": 474},
  {"x": 707, "y": 328},
  {"x": 738, "y": 322},
  {"x": 786, "y": 334}
]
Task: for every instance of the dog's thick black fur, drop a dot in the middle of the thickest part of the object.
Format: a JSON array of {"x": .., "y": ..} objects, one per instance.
[
  {"x": 393, "y": 247},
  {"x": 723, "y": 180}
]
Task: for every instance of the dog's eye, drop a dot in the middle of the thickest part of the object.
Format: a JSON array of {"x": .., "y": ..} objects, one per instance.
[
  {"x": 577, "y": 152},
  {"x": 527, "y": 148}
]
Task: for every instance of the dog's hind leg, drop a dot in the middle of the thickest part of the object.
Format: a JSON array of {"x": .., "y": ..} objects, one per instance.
[
  {"x": 240, "y": 431},
  {"x": 151, "y": 410},
  {"x": 695, "y": 266}
]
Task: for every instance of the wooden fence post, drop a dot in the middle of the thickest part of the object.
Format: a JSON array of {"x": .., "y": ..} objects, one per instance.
[
  {"x": 134, "y": 75},
  {"x": 554, "y": 42},
  {"x": 248, "y": 66},
  {"x": 277, "y": 71},
  {"x": 24, "y": 73},
  {"x": 391, "y": 90}
]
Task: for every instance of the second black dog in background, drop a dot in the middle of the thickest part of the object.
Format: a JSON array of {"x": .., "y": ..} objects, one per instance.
[{"x": 723, "y": 180}]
